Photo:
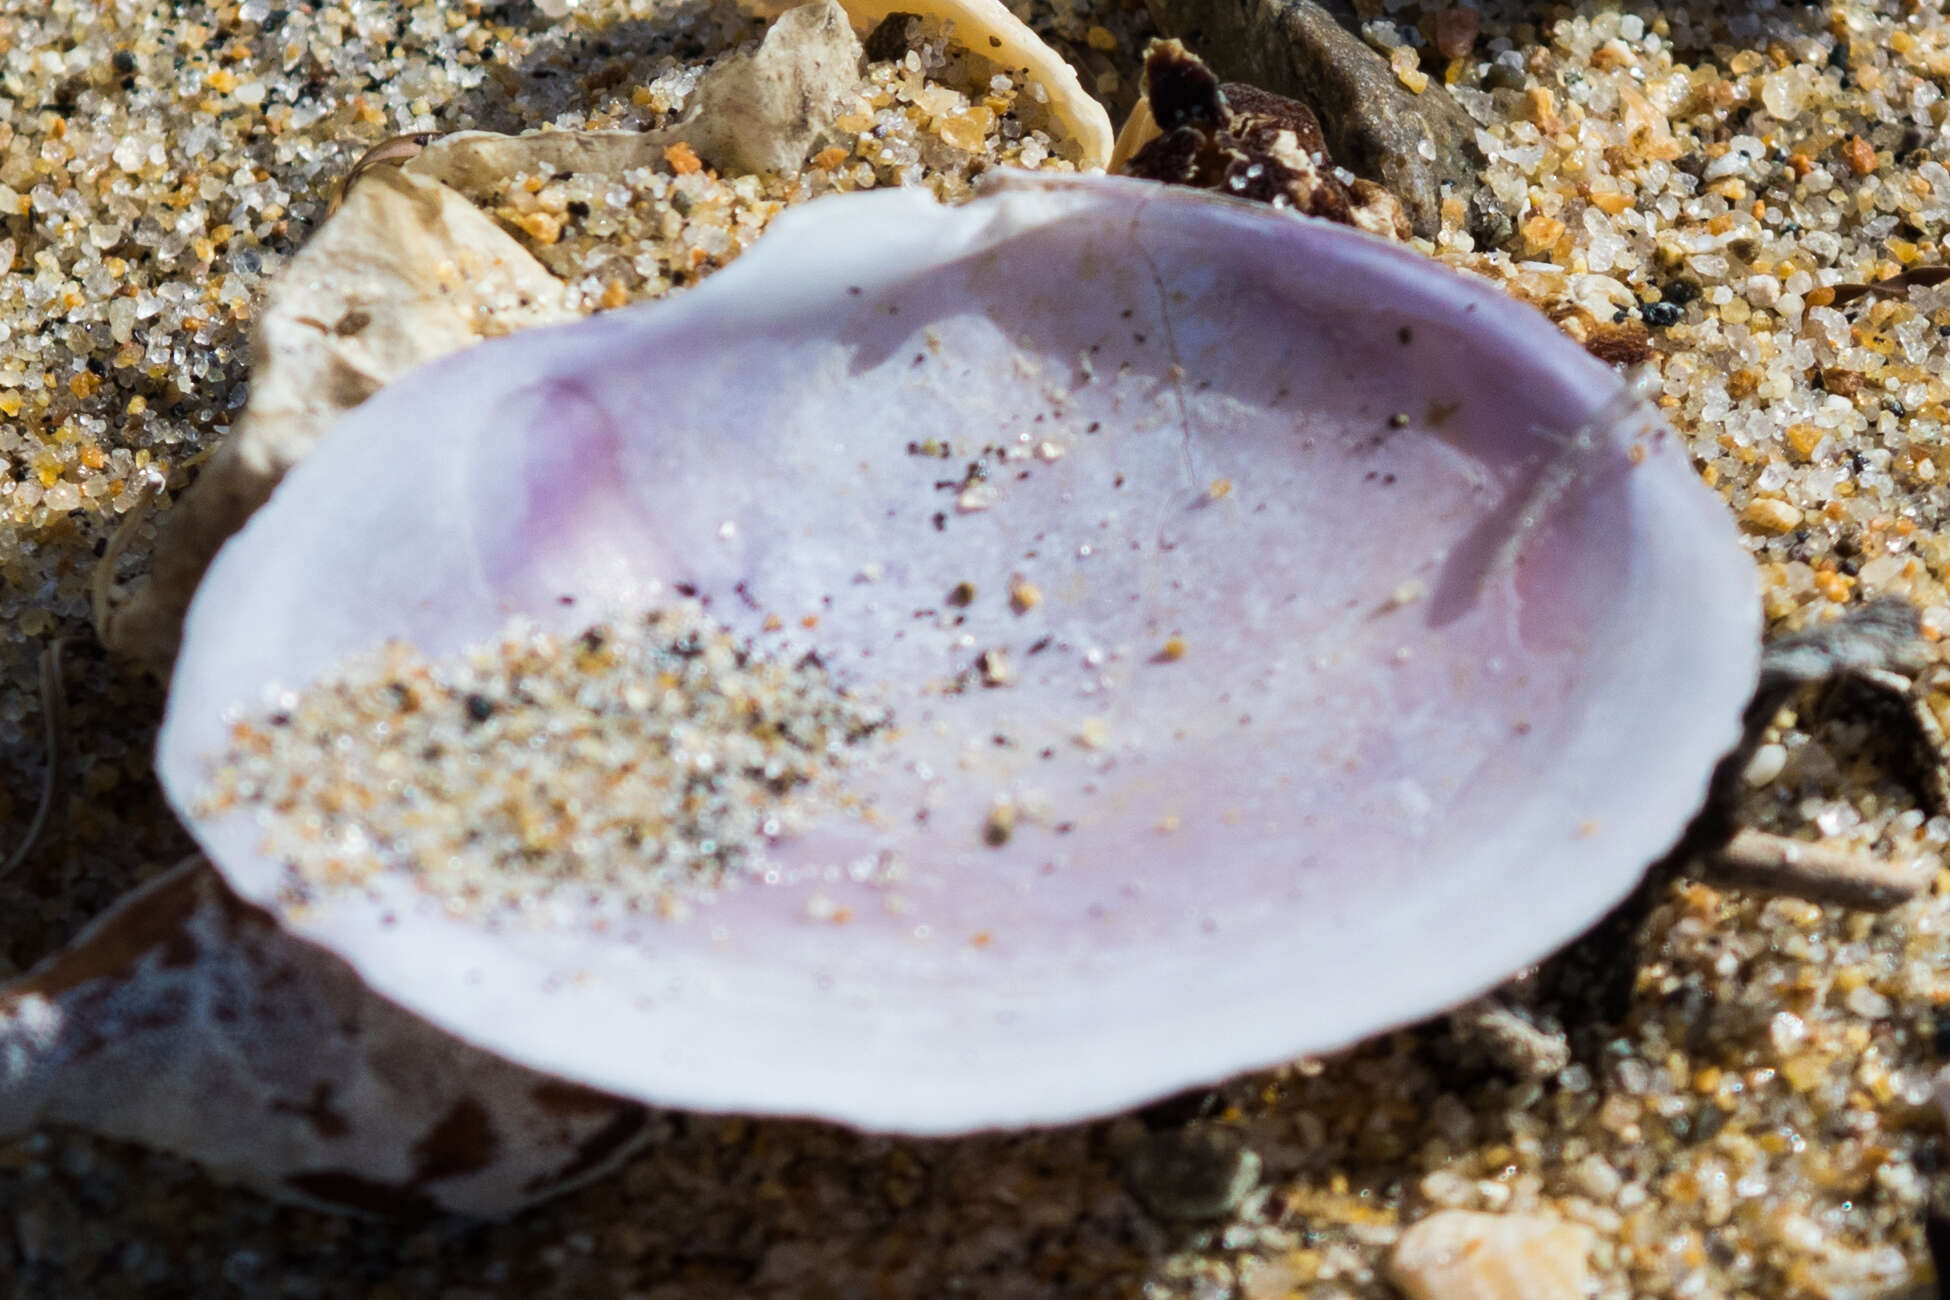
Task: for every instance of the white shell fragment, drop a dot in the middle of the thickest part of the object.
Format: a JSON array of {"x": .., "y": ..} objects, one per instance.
[
  {"x": 1285, "y": 639},
  {"x": 1140, "y": 128},
  {"x": 764, "y": 111},
  {"x": 987, "y": 28}
]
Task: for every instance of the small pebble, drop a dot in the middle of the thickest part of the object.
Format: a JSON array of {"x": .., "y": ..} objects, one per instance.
[
  {"x": 1192, "y": 1174},
  {"x": 1768, "y": 762},
  {"x": 1464, "y": 1255},
  {"x": 1770, "y": 516}
]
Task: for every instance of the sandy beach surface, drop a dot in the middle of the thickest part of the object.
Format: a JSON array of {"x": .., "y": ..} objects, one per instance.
[{"x": 1706, "y": 189}]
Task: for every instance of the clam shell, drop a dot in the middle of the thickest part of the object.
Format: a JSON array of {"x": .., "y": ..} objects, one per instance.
[{"x": 1369, "y": 667}]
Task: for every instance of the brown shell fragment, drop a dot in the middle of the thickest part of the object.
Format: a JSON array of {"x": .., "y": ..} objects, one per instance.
[
  {"x": 187, "y": 1019},
  {"x": 1251, "y": 144}
]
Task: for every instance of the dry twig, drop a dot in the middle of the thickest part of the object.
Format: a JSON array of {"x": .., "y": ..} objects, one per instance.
[
  {"x": 1817, "y": 872},
  {"x": 54, "y": 722},
  {"x": 101, "y": 583}
]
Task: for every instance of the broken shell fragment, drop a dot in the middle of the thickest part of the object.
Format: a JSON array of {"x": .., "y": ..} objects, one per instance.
[
  {"x": 405, "y": 271},
  {"x": 187, "y": 1020},
  {"x": 764, "y": 111},
  {"x": 1333, "y": 808},
  {"x": 987, "y": 28}
]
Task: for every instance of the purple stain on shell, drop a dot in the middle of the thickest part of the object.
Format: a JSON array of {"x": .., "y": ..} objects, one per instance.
[{"x": 1375, "y": 648}]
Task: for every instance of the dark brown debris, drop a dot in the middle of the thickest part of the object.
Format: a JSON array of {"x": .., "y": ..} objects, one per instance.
[
  {"x": 888, "y": 40},
  {"x": 1374, "y": 125},
  {"x": 1251, "y": 144},
  {"x": 1626, "y": 344}
]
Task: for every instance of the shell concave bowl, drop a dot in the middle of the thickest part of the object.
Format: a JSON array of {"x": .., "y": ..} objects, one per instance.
[{"x": 1448, "y": 683}]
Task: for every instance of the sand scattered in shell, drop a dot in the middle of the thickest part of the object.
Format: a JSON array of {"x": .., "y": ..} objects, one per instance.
[{"x": 617, "y": 770}]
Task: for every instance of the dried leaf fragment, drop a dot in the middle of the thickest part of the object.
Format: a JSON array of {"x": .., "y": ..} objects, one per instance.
[{"x": 1895, "y": 286}]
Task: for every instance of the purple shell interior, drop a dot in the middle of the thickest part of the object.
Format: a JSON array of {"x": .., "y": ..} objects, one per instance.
[{"x": 1448, "y": 682}]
